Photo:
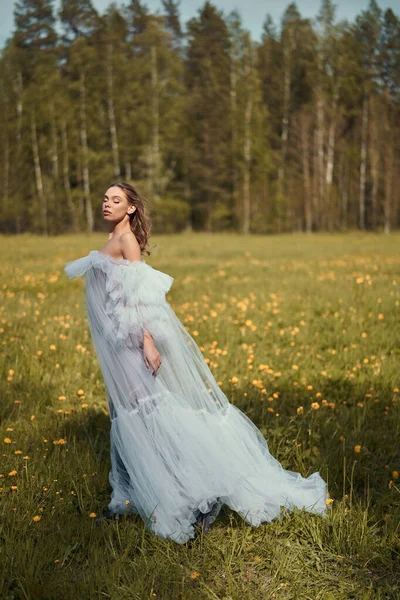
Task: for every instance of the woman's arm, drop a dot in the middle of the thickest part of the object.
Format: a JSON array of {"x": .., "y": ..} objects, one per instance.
[
  {"x": 147, "y": 335},
  {"x": 131, "y": 251}
]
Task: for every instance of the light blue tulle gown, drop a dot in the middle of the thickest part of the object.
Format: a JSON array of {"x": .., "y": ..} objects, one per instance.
[{"x": 178, "y": 446}]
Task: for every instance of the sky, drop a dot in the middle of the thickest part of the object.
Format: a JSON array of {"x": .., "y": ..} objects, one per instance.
[{"x": 253, "y": 12}]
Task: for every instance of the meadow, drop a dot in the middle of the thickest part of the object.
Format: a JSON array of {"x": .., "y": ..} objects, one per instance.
[{"x": 301, "y": 332}]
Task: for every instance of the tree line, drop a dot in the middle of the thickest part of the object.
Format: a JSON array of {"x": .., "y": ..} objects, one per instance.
[{"x": 299, "y": 131}]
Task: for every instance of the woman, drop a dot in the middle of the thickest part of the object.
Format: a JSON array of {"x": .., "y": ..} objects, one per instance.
[{"x": 179, "y": 448}]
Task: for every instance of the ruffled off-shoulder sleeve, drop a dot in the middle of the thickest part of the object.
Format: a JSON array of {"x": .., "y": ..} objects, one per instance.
[{"x": 136, "y": 301}]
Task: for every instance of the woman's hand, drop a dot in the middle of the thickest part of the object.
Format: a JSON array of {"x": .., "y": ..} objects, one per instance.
[{"x": 151, "y": 355}]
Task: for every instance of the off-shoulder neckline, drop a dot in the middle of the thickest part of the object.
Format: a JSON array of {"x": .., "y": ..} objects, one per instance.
[{"x": 118, "y": 261}]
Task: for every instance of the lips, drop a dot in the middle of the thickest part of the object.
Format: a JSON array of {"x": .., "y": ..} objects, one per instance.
[{"x": 106, "y": 212}]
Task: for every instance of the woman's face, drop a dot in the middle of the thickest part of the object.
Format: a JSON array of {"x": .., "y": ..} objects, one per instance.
[{"x": 116, "y": 205}]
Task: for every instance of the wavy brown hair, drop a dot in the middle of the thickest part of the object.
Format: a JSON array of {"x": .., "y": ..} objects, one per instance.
[{"x": 140, "y": 220}]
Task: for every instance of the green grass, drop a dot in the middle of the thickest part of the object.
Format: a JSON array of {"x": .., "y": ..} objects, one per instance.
[{"x": 297, "y": 320}]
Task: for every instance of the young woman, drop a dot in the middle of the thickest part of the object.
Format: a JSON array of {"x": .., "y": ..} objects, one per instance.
[{"x": 179, "y": 448}]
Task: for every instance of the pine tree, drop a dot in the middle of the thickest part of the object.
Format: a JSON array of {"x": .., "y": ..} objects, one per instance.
[{"x": 207, "y": 80}]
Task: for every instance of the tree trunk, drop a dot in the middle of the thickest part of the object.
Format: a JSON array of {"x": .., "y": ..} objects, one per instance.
[
  {"x": 248, "y": 79},
  {"x": 53, "y": 150},
  {"x": 286, "y": 111},
  {"x": 344, "y": 182},
  {"x": 111, "y": 112},
  {"x": 234, "y": 147},
  {"x": 387, "y": 206},
  {"x": 18, "y": 89},
  {"x": 306, "y": 174},
  {"x": 320, "y": 135},
  {"x": 315, "y": 181},
  {"x": 374, "y": 158},
  {"x": 388, "y": 188},
  {"x": 67, "y": 186},
  {"x": 128, "y": 170},
  {"x": 330, "y": 158},
  {"x": 247, "y": 161},
  {"x": 207, "y": 176},
  {"x": 6, "y": 166},
  {"x": 155, "y": 154},
  {"x": 85, "y": 154},
  {"x": 38, "y": 176},
  {"x": 363, "y": 165},
  {"x": 186, "y": 183}
]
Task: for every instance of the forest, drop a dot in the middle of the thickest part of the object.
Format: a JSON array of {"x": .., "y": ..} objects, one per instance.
[{"x": 297, "y": 132}]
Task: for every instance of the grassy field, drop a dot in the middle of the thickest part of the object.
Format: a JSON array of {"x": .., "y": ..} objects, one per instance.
[{"x": 301, "y": 332}]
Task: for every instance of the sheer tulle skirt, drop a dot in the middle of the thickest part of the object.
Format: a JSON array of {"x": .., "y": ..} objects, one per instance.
[
  {"x": 178, "y": 446},
  {"x": 170, "y": 462}
]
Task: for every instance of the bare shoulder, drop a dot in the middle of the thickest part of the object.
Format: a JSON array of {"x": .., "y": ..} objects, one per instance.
[{"x": 130, "y": 247}]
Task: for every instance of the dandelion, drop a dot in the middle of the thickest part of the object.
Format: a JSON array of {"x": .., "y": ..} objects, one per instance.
[
  {"x": 329, "y": 501},
  {"x": 7, "y": 441},
  {"x": 36, "y": 518},
  {"x": 315, "y": 405},
  {"x": 92, "y": 515},
  {"x": 300, "y": 410},
  {"x": 234, "y": 379},
  {"x": 12, "y": 473},
  {"x": 395, "y": 474},
  {"x": 357, "y": 449},
  {"x": 257, "y": 383},
  {"x": 195, "y": 574}
]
